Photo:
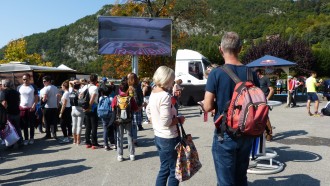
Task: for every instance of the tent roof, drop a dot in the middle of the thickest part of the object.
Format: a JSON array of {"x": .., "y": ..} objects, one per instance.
[
  {"x": 18, "y": 67},
  {"x": 270, "y": 61},
  {"x": 64, "y": 67}
]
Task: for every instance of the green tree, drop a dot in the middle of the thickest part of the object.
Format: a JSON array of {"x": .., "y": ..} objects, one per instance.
[{"x": 16, "y": 51}]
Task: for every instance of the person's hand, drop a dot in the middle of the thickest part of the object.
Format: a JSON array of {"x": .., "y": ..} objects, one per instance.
[
  {"x": 60, "y": 116},
  {"x": 181, "y": 119},
  {"x": 32, "y": 109},
  {"x": 87, "y": 110}
]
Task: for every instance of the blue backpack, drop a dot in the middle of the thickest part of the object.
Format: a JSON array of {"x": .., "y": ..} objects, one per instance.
[{"x": 104, "y": 108}]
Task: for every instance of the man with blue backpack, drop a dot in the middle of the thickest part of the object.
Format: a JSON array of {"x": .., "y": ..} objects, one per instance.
[{"x": 104, "y": 112}]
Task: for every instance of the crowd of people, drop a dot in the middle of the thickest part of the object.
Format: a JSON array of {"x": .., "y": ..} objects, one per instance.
[
  {"x": 78, "y": 103},
  {"x": 29, "y": 108}
]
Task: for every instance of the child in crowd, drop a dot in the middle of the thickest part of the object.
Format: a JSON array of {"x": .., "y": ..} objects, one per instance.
[{"x": 126, "y": 123}]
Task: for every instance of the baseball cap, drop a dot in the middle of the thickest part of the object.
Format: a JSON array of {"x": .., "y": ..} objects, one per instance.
[{"x": 104, "y": 79}]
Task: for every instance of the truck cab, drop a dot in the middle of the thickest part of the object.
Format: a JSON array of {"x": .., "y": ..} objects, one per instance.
[{"x": 190, "y": 67}]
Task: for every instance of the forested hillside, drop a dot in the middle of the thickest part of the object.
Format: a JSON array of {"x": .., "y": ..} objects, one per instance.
[{"x": 257, "y": 21}]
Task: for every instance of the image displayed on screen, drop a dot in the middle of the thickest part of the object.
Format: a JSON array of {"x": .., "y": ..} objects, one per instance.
[{"x": 134, "y": 36}]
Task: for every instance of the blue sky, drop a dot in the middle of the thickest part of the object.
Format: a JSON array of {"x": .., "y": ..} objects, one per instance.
[{"x": 20, "y": 18}]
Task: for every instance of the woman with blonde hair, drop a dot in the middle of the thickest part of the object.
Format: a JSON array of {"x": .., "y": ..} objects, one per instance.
[{"x": 164, "y": 119}]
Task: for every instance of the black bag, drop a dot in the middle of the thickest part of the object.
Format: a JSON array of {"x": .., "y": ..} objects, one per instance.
[
  {"x": 84, "y": 100},
  {"x": 326, "y": 110},
  {"x": 3, "y": 117},
  {"x": 73, "y": 96}
]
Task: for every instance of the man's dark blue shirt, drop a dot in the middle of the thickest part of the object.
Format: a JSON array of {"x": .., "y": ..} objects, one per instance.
[{"x": 222, "y": 86}]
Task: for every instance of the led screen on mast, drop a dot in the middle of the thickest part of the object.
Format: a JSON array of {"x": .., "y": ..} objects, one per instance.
[{"x": 134, "y": 36}]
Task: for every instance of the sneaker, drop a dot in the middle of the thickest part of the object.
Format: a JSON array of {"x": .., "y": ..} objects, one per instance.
[
  {"x": 316, "y": 115},
  {"x": 94, "y": 147},
  {"x": 66, "y": 140},
  {"x": 88, "y": 146},
  {"x": 140, "y": 128},
  {"x": 97, "y": 146},
  {"x": 26, "y": 142},
  {"x": 145, "y": 123},
  {"x": 120, "y": 158},
  {"x": 132, "y": 157},
  {"x": 113, "y": 146},
  {"x": 107, "y": 148},
  {"x": 31, "y": 141}
]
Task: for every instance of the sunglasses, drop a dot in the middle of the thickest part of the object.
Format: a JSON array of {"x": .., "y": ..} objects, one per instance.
[
  {"x": 44, "y": 81},
  {"x": 24, "y": 79}
]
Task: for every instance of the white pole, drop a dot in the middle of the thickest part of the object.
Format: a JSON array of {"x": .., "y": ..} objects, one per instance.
[{"x": 135, "y": 66}]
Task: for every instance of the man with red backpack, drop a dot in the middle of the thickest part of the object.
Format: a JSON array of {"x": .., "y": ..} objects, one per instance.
[{"x": 230, "y": 154}]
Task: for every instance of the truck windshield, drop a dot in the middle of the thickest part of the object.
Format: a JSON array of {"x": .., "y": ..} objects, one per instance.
[{"x": 196, "y": 69}]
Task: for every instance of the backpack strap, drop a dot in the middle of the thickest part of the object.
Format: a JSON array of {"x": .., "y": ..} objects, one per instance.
[{"x": 230, "y": 73}]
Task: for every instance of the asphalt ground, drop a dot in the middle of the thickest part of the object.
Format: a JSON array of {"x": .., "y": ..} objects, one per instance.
[{"x": 301, "y": 142}]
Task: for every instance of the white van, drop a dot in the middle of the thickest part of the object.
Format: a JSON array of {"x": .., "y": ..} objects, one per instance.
[{"x": 190, "y": 67}]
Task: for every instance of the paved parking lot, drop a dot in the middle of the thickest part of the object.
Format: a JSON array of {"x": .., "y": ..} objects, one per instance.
[{"x": 301, "y": 141}]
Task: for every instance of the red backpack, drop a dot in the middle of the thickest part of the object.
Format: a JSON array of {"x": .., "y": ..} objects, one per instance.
[{"x": 247, "y": 111}]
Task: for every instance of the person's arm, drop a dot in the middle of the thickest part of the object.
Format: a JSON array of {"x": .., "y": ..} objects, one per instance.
[
  {"x": 208, "y": 103},
  {"x": 64, "y": 101},
  {"x": 92, "y": 100},
  {"x": 36, "y": 98},
  {"x": 144, "y": 90},
  {"x": 35, "y": 102},
  {"x": 94, "y": 91},
  {"x": 148, "y": 112},
  {"x": 3, "y": 99},
  {"x": 271, "y": 92},
  {"x": 271, "y": 89},
  {"x": 319, "y": 83},
  {"x": 45, "y": 96}
]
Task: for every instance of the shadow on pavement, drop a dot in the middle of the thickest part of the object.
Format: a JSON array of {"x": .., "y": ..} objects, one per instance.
[
  {"x": 285, "y": 154},
  {"x": 292, "y": 180},
  {"x": 33, "y": 175},
  {"x": 283, "y": 135},
  {"x": 39, "y": 147},
  {"x": 146, "y": 142},
  {"x": 283, "y": 138}
]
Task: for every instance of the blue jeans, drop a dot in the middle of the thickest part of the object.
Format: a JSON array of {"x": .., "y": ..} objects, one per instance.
[
  {"x": 231, "y": 159},
  {"x": 168, "y": 156},
  {"x": 105, "y": 122},
  {"x": 136, "y": 121}
]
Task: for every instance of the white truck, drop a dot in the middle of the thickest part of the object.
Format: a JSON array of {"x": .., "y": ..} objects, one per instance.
[{"x": 190, "y": 67}]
